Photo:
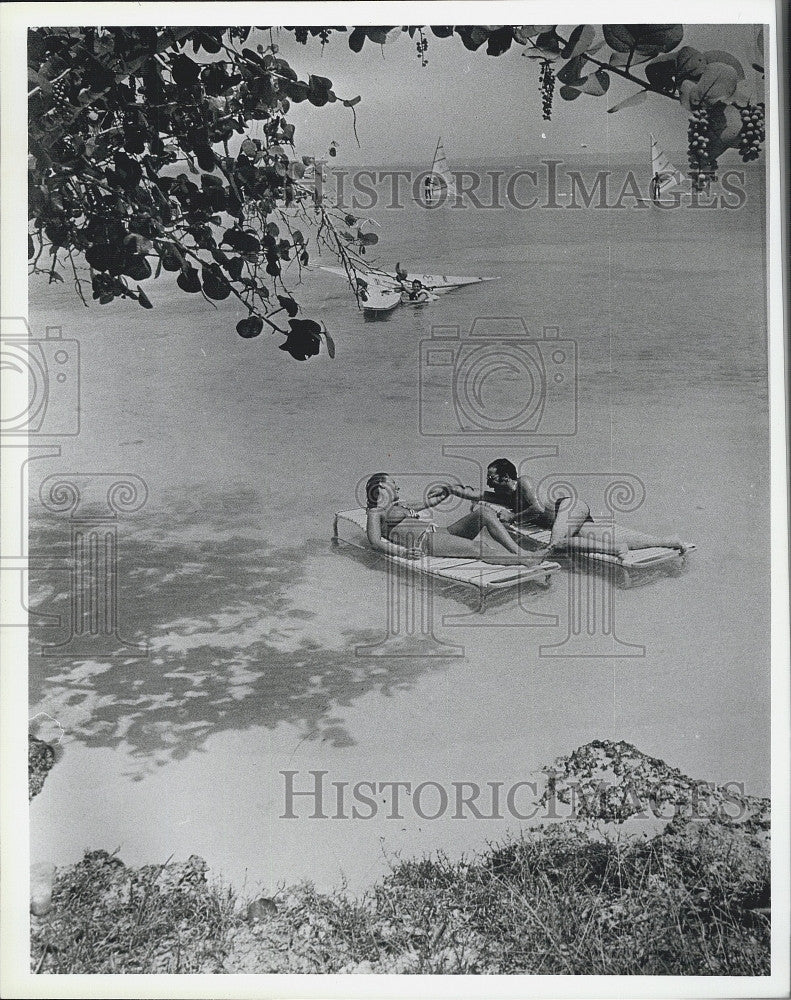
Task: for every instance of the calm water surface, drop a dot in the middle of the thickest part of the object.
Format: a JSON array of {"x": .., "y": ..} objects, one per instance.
[{"x": 253, "y": 620}]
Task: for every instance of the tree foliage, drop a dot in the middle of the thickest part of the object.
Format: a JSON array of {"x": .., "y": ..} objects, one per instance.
[{"x": 170, "y": 149}]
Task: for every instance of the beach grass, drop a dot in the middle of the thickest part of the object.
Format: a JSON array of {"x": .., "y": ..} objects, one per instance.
[{"x": 564, "y": 900}]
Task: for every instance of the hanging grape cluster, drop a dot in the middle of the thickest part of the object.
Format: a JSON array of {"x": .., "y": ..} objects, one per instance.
[
  {"x": 752, "y": 134},
  {"x": 702, "y": 166},
  {"x": 60, "y": 94},
  {"x": 546, "y": 82},
  {"x": 60, "y": 97},
  {"x": 422, "y": 47}
]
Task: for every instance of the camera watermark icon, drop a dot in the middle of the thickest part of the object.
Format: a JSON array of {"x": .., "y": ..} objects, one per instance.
[
  {"x": 39, "y": 403},
  {"x": 94, "y": 504},
  {"x": 497, "y": 381},
  {"x": 40, "y": 380}
]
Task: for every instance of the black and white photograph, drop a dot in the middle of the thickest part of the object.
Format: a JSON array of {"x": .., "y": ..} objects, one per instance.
[{"x": 395, "y": 563}]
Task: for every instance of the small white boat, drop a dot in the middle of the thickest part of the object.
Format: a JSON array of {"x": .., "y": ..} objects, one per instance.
[
  {"x": 383, "y": 291},
  {"x": 378, "y": 301}
]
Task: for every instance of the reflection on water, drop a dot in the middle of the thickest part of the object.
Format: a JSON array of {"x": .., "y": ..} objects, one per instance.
[{"x": 227, "y": 648}]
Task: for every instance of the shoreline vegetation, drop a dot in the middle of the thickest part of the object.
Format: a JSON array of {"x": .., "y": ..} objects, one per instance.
[{"x": 615, "y": 890}]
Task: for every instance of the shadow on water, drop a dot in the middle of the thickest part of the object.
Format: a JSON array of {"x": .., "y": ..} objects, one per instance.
[{"x": 227, "y": 644}]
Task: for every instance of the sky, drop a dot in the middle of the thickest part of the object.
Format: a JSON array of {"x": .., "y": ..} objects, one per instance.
[{"x": 483, "y": 107}]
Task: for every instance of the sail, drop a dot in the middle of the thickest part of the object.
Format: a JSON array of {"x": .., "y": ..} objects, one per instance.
[
  {"x": 441, "y": 176},
  {"x": 665, "y": 175}
]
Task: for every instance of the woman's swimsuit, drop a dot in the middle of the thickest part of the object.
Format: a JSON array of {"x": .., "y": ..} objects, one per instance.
[{"x": 404, "y": 526}]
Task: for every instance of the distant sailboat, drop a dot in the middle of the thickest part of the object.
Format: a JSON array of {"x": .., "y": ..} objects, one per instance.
[
  {"x": 439, "y": 180},
  {"x": 665, "y": 177}
]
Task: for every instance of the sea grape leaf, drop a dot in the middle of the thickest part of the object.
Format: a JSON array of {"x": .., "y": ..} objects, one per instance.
[
  {"x": 630, "y": 102},
  {"x": 357, "y": 40},
  {"x": 645, "y": 38},
  {"x": 665, "y": 37},
  {"x": 524, "y": 32},
  {"x": 571, "y": 72},
  {"x": 500, "y": 41},
  {"x": 597, "y": 84},
  {"x": 689, "y": 63},
  {"x": 533, "y": 52},
  {"x": 726, "y": 122},
  {"x": 717, "y": 83},
  {"x": 619, "y": 37},
  {"x": 620, "y": 59},
  {"x": 688, "y": 94},
  {"x": 303, "y": 340},
  {"x": 580, "y": 40},
  {"x": 250, "y": 326},
  {"x": 185, "y": 71},
  {"x": 474, "y": 37},
  {"x": 288, "y": 304},
  {"x": 661, "y": 73},
  {"x": 718, "y": 56}
]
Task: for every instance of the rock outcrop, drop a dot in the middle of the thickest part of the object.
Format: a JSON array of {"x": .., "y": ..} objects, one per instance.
[
  {"x": 615, "y": 782},
  {"x": 40, "y": 758}
]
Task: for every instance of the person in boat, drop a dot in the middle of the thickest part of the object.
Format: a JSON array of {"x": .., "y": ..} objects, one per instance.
[
  {"x": 415, "y": 292},
  {"x": 398, "y": 529},
  {"x": 572, "y": 528},
  {"x": 428, "y": 191}
]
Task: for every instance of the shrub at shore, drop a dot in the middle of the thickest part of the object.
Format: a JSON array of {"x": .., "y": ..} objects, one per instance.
[{"x": 577, "y": 897}]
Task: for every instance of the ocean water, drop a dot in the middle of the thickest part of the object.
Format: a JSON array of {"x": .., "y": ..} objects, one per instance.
[{"x": 257, "y": 627}]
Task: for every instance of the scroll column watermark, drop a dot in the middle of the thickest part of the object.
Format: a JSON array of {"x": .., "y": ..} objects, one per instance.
[
  {"x": 409, "y": 607},
  {"x": 94, "y": 503},
  {"x": 591, "y": 595}
]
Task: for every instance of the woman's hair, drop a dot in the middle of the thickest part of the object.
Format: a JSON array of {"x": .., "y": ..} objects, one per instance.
[
  {"x": 372, "y": 488},
  {"x": 503, "y": 467}
]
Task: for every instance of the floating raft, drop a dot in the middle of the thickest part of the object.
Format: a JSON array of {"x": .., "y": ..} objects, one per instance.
[
  {"x": 350, "y": 528},
  {"x": 637, "y": 567}
]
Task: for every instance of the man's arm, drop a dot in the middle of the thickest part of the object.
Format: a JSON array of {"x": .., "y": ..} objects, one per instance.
[
  {"x": 439, "y": 493},
  {"x": 465, "y": 492}
]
